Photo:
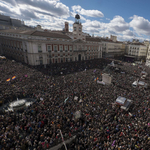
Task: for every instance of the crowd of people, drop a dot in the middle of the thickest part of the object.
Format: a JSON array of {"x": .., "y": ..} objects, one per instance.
[{"x": 101, "y": 125}]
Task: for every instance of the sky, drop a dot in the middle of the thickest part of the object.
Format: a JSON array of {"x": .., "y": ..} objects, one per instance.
[{"x": 127, "y": 19}]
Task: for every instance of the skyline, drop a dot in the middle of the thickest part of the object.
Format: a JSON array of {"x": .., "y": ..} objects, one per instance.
[{"x": 126, "y": 19}]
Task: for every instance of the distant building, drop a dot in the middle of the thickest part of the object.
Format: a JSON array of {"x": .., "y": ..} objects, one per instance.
[
  {"x": 137, "y": 50},
  {"x": 10, "y": 23}
]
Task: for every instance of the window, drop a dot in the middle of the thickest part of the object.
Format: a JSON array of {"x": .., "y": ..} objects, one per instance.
[
  {"x": 18, "y": 44},
  {"x": 39, "y": 48},
  {"x": 66, "y": 48},
  {"x": 41, "y": 62},
  {"x": 75, "y": 47},
  {"x": 49, "y": 48},
  {"x": 70, "y": 48},
  {"x": 55, "y": 48},
  {"x": 61, "y": 48},
  {"x": 14, "y": 44},
  {"x": 74, "y": 28},
  {"x": 55, "y": 60},
  {"x": 21, "y": 45},
  {"x": 85, "y": 47},
  {"x": 40, "y": 57},
  {"x": 79, "y": 29}
]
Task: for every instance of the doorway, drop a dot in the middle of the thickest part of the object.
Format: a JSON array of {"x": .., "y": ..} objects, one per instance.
[{"x": 79, "y": 57}]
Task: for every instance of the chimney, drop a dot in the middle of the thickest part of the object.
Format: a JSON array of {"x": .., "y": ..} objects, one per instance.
[{"x": 66, "y": 27}]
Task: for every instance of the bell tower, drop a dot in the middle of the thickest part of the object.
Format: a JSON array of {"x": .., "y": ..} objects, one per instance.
[{"x": 77, "y": 28}]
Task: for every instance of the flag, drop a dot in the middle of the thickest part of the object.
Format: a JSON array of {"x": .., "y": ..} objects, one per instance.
[
  {"x": 94, "y": 79},
  {"x": 14, "y": 77},
  {"x": 94, "y": 71},
  {"x": 8, "y": 80}
]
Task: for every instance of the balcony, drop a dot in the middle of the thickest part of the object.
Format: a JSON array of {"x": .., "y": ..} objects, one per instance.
[
  {"x": 40, "y": 58},
  {"x": 80, "y": 50}
]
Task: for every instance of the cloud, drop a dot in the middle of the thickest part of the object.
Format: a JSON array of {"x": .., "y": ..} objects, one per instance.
[
  {"x": 52, "y": 14},
  {"x": 128, "y": 33},
  {"x": 53, "y": 7},
  {"x": 90, "y": 13},
  {"x": 118, "y": 24},
  {"x": 107, "y": 19},
  {"x": 140, "y": 25},
  {"x": 94, "y": 24},
  {"x": 28, "y": 14}
]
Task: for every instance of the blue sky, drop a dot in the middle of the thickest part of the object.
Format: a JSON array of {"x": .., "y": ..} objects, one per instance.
[{"x": 127, "y": 19}]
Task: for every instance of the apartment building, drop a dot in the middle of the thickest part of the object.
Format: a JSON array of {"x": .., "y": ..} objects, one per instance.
[{"x": 111, "y": 47}]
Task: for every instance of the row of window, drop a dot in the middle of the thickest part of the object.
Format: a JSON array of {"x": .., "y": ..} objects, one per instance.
[
  {"x": 67, "y": 55},
  {"x": 12, "y": 43},
  {"x": 133, "y": 51},
  {"x": 12, "y": 47},
  {"x": 55, "y": 48},
  {"x": 58, "y": 60},
  {"x": 75, "y": 29},
  {"x": 69, "y": 59},
  {"x": 134, "y": 48}
]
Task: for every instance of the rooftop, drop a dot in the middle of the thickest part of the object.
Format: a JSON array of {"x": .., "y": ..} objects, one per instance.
[{"x": 37, "y": 33}]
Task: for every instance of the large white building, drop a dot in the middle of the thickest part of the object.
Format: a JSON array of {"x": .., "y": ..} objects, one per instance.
[{"x": 37, "y": 47}]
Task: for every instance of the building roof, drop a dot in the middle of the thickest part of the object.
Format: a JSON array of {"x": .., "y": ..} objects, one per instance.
[
  {"x": 93, "y": 39},
  {"x": 50, "y": 34},
  {"x": 109, "y": 40},
  {"x": 130, "y": 43},
  {"x": 37, "y": 33}
]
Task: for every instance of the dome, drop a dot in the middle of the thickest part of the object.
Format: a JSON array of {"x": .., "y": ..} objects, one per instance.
[{"x": 77, "y": 16}]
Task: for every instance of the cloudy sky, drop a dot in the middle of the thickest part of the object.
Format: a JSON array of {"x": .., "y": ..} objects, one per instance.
[{"x": 127, "y": 19}]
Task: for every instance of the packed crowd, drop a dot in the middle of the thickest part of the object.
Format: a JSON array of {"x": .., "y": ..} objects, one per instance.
[{"x": 101, "y": 125}]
